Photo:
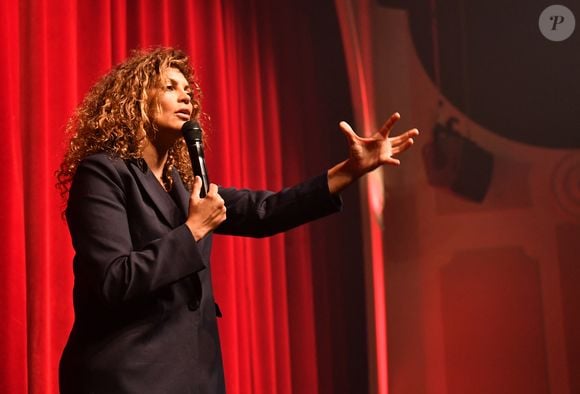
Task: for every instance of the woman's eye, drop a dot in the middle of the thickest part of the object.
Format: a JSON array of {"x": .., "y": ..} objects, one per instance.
[{"x": 169, "y": 87}]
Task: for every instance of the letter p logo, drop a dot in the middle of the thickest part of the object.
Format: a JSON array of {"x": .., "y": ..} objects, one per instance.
[
  {"x": 557, "y": 19},
  {"x": 557, "y": 23}
]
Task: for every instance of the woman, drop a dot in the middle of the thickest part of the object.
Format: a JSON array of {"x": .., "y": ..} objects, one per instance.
[{"x": 145, "y": 318}]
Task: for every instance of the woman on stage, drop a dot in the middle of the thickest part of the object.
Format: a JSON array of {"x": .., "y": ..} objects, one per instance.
[{"x": 145, "y": 317}]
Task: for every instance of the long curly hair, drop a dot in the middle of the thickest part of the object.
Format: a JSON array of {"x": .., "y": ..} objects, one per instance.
[{"x": 115, "y": 115}]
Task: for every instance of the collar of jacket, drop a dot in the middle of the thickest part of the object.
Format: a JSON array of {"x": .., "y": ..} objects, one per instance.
[{"x": 171, "y": 206}]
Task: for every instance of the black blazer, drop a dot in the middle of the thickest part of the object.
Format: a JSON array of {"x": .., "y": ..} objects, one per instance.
[{"x": 145, "y": 317}]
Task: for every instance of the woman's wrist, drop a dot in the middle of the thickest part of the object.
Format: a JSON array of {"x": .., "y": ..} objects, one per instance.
[
  {"x": 196, "y": 234},
  {"x": 340, "y": 176}
]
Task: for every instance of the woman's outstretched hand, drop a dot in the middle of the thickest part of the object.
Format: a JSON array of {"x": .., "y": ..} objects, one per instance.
[{"x": 368, "y": 153}]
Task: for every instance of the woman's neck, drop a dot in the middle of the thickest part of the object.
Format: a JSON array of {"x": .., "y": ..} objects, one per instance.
[{"x": 155, "y": 155}]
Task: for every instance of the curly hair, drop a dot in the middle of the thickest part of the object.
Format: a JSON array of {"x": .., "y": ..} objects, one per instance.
[{"x": 114, "y": 116}]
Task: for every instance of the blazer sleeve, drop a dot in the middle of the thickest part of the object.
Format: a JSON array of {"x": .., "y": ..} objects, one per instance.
[
  {"x": 105, "y": 261},
  {"x": 265, "y": 213}
]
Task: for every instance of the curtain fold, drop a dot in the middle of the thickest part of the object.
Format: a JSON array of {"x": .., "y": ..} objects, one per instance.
[
  {"x": 52, "y": 53},
  {"x": 13, "y": 296}
]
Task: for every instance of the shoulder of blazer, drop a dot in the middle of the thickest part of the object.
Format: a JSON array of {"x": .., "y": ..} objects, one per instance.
[
  {"x": 110, "y": 170},
  {"x": 102, "y": 160},
  {"x": 110, "y": 166}
]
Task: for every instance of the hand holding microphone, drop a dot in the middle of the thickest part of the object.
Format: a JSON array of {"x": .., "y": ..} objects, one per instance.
[{"x": 206, "y": 207}]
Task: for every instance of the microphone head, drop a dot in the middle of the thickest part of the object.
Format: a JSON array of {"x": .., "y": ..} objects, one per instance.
[{"x": 191, "y": 130}]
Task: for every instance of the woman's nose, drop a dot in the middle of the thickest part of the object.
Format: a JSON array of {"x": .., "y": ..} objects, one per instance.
[{"x": 184, "y": 96}]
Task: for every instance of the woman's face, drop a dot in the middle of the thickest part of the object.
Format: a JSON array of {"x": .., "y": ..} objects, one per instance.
[{"x": 174, "y": 101}]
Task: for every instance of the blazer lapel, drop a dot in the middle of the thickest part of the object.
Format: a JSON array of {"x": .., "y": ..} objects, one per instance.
[
  {"x": 180, "y": 193},
  {"x": 164, "y": 204}
]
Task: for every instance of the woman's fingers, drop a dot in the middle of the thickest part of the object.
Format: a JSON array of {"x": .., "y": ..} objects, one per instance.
[
  {"x": 404, "y": 137},
  {"x": 196, "y": 187},
  {"x": 213, "y": 189},
  {"x": 393, "y": 161},
  {"x": 388, "y": 125},
  {"x": 403, "y": 142},
  {"x": 205, "y": 214},
  {"x": 348, "y": 132},
  {"x": 402, "y": 146}
]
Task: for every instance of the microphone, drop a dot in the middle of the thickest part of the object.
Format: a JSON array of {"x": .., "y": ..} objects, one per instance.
[{"x": 192, "y": 133}]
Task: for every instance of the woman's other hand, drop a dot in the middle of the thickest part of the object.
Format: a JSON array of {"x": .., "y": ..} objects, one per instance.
[{"x": 368, "y": 153}]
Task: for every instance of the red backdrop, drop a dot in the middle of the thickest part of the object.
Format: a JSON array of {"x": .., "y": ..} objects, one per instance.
[{"x": 275, "y": 87}]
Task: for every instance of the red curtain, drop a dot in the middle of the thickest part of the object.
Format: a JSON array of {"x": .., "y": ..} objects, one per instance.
[{"x": 286, "y": 328}]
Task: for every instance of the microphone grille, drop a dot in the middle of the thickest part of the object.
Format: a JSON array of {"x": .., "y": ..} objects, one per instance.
[{"x": 191, "y": 130}]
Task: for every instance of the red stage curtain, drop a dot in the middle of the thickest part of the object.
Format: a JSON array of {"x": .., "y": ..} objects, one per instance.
[{"x": 285, "y": 328}]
